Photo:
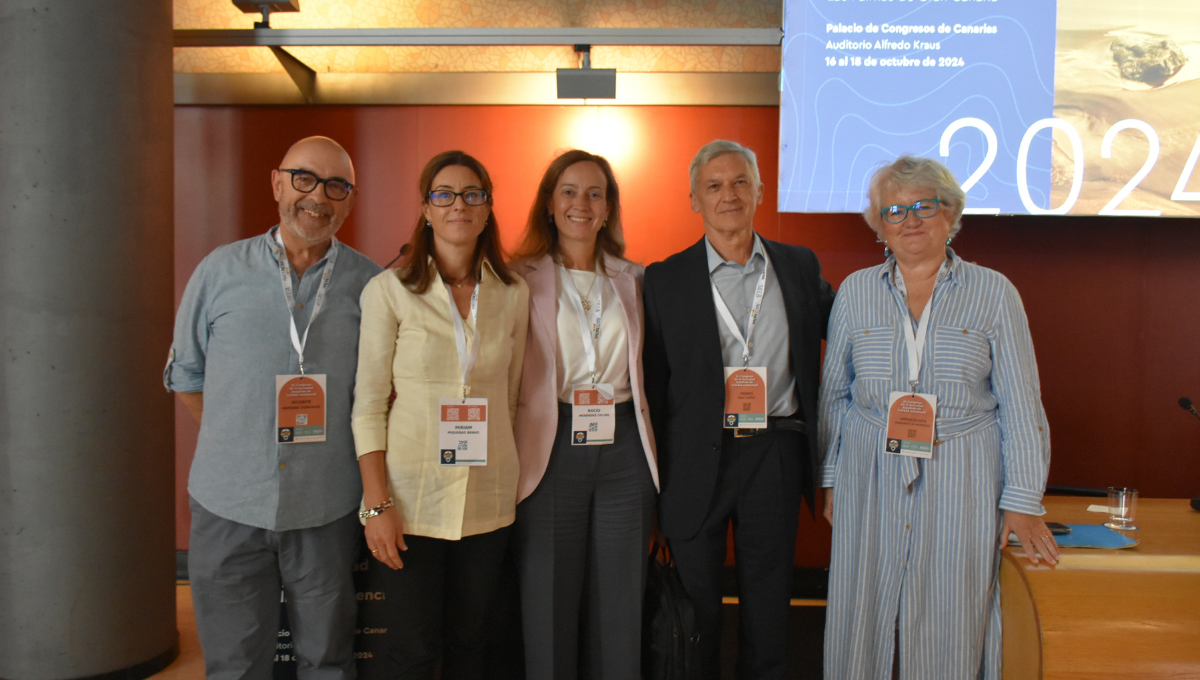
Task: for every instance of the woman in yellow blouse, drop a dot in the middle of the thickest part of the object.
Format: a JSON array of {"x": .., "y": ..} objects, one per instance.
[{"x": 447, "y": 332}]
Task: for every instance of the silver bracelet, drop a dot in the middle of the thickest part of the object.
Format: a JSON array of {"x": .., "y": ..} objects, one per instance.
[{"x": 377, "y": 510}]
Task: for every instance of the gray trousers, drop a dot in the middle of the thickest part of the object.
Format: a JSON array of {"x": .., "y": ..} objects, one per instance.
[
  {"x": 236, "y": 572},
  {"x": 582, "y": 542}
]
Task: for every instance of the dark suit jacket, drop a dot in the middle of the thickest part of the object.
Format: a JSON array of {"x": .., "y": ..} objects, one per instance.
[{"x": 685, "y": 375}]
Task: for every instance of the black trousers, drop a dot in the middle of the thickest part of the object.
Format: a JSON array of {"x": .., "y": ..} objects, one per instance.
[
  {"x": 439, "y": 603},
  {"x": 758, "y": 491}
]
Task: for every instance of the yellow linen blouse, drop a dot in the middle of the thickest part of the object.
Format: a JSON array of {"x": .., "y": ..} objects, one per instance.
[{"x": 407, "y": 343}]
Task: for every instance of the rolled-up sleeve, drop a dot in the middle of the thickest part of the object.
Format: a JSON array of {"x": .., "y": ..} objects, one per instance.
[
  {"x": 1025, "y": 433},
  {"x": 189, "y": 346},
  {"x": 837, "y": 375},
  {"x": 373, "y": 382}
]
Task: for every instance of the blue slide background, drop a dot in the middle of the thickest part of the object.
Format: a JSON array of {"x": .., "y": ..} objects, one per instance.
[{"x": 839, "y": 123}]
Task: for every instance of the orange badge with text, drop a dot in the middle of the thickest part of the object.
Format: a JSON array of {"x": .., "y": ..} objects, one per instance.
[
  {"x": 593, "y": 415},
  {"x": 745, "y": 397},
  {"x": 910, "y": 424},
  {"x": 463, "y": 434},
  {"x": 300, "y": 408}
]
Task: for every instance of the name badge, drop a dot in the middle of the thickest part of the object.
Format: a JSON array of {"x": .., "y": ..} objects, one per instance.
[
  {"x": 593, "y": 415},
  {"x": 462, "y": 435},
  {"x": 300, "y": 408},
  {"x": 745, "y": 397},
  {"x": 910, "y": 424}
]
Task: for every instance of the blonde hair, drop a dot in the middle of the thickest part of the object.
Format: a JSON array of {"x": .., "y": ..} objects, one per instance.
[{"x": 912, "y": 172}]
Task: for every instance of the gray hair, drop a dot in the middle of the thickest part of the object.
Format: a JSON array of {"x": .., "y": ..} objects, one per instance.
[
  {"x": 720, "y": 147},
  {"x": 911, "y": 172}
]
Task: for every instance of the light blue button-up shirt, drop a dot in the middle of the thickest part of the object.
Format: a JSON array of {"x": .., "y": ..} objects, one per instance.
[
  {"x": 769, "y": 345},
  {"x": 231, "y": 340}
]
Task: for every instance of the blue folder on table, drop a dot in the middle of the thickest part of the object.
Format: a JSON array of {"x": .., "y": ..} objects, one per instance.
[{"x": 1088, "y": 536}]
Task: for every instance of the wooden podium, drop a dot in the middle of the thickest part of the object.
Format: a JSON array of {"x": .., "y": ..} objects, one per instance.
[{"x": 1129, "y": 614}]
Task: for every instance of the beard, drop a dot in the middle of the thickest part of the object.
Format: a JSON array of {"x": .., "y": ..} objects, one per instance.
[{"x": 301, "y": 227}]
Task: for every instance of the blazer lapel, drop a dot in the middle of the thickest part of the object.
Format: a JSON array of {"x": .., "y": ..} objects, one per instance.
[
  {"x": 696, "y": 283},
  {"x": 787, "y": 283},
  {"x": 626, "y": 289},
  {"x": 543, "y": 298},
  {"x": 789, "y": 286}
]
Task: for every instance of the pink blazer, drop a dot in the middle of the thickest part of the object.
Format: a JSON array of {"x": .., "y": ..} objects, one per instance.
[{"x": 537, "y": 407}]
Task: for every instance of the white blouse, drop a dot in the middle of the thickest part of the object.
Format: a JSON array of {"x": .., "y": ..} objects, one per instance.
[{"x": 612, "y": 356}]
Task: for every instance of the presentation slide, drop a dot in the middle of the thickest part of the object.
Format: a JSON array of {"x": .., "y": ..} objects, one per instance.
[{"x": 1088, "y": 107}]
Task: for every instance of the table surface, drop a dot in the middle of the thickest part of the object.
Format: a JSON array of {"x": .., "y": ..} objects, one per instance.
[
  {"x": 1166, "y": 526},
  {"x": 1129, "y": 613}
]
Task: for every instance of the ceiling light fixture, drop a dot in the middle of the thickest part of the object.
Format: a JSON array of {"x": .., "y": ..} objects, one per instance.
[{"x": 587, "y": 82}]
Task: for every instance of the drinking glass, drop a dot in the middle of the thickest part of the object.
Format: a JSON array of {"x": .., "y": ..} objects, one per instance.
[{"x": 1122, "y": 508}]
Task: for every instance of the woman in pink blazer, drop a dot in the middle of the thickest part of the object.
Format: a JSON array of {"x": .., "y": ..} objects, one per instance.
[{"x": 588, "y": 474}]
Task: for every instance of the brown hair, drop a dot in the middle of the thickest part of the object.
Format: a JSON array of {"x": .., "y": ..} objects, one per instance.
[
  {"x": 541, "y": 234},
  {"x": 416, "y": 273}
]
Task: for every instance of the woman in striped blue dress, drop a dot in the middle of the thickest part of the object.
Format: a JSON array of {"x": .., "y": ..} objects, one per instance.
[{"x": 913, "y": 581}]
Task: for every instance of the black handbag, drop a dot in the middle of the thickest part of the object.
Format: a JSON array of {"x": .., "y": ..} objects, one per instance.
[{"x": 670, "y": 636}]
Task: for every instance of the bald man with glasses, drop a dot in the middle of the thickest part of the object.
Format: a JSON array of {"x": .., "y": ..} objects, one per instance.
[{"x": 264, "y": 357}]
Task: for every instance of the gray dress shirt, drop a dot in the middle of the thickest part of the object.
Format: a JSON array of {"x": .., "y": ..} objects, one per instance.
[
  {"x": 231, "y": 340},
  {"x": 769, "y": 346}
]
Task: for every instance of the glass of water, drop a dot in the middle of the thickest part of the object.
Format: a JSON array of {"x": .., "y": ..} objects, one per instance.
[{"x": 1122, "y": 508}]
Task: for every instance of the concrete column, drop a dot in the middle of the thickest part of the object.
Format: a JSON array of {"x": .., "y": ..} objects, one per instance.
[{"x": 86, "y": 446}]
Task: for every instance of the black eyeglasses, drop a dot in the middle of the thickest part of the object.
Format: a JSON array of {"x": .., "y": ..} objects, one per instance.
[
  {"x": 924, "y": 208},
  {"x": 304, "y": 182},
  {"x": 442, "y": 198}
]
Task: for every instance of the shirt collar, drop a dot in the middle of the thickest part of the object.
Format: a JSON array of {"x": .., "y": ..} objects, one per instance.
[
  {"x": 485, "y": 270},
  {"x": 274, "y": 246},
  {"x": 714, "y": 259},
  {"x": 950, "y": 270}
]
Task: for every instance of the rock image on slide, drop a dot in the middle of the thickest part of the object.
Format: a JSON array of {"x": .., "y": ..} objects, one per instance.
[
  {"x": 1127, "y": 59},
  {"x": 1151, "y": 60}
]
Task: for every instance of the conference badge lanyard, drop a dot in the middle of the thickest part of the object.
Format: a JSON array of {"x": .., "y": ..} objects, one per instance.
[
  {"x": 300, "y": 398},
  {"x": 911, "y": 415},
  {"x": 745, "y": 386},
  {"x": 462, "y": 428},
  {"x": 593, "y": 412}
]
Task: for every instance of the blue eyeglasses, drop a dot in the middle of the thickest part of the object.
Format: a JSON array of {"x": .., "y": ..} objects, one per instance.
[
  {"x": 443, "y": 197},
  {"x": 924, "y": 208}
]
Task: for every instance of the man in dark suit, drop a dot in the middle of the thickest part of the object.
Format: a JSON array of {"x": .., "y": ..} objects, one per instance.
[{"x": 732, "y": 355}]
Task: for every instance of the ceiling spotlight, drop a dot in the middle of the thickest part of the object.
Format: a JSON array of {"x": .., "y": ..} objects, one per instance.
[
  {"x": 587, "y": 82},
  {"x": 254, "y": 6}
]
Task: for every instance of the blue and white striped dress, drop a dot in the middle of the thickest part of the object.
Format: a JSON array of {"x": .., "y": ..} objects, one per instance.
[{"x": 915, "y": 541}]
